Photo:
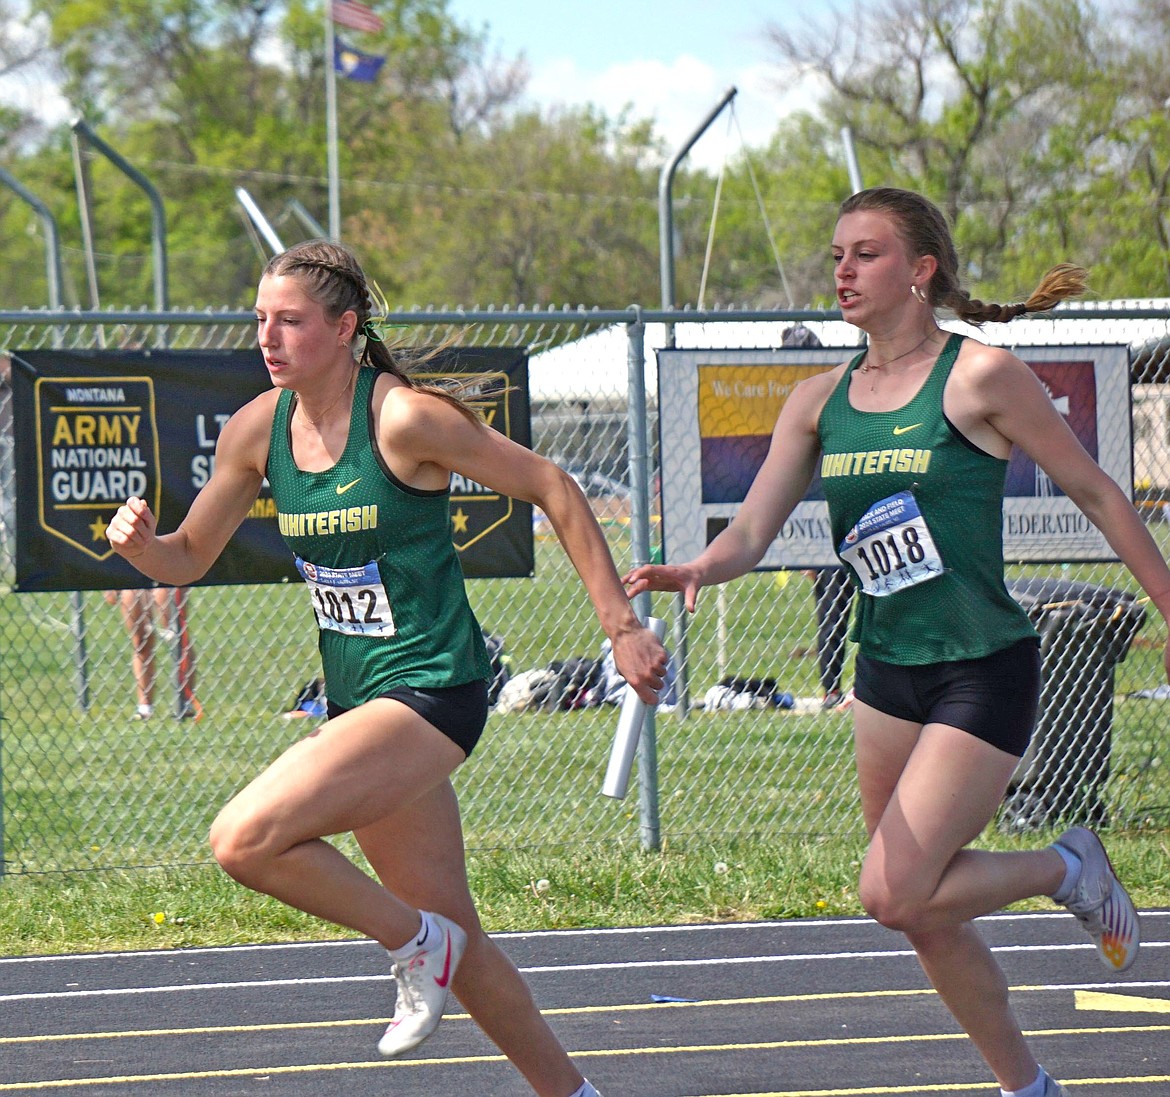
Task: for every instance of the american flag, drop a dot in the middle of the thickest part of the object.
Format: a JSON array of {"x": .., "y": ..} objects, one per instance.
[{"x": 349, "y": 13}]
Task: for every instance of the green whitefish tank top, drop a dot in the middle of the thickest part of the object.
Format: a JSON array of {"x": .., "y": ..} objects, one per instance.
[
  {"x": 383, "y": 576},
  {"x": 917, "y": 516}
]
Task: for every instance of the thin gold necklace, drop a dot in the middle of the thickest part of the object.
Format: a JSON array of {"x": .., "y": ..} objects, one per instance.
[
  {"x": 321, "y": 418},
  {"x": 866, "y": 366}
]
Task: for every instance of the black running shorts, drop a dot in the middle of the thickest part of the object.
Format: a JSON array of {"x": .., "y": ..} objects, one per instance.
[
  {"x": 994, "y": 698},
  {"x": 459, "y": 712}
]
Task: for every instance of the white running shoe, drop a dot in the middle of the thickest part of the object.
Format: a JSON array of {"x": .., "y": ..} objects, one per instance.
[
  {"x": 1052, "y": 1088},
  {"x": 585, "y": 1089},
  {"x": 423, "y": 982},
  {"x": 1100, "y": 903}
]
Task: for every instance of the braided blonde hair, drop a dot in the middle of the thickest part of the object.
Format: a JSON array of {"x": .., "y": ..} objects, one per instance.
[{"x": 923, "y": 229}]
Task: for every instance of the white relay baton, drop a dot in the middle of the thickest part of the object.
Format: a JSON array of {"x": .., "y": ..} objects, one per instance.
[{"x": 625, "y": 740}]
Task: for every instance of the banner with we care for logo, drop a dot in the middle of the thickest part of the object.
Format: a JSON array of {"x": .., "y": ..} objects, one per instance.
[{"x": 717, "y": 409}]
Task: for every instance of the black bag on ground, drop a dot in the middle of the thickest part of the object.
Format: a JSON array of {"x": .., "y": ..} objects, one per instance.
[
  {"x": 499, "y": 661},
  {"x": 575, "y": 679}
]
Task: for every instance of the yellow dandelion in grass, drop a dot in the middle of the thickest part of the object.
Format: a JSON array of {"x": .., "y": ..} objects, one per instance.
[
  {"x": 159, "y": 917},
  {"x": 822, "y": 905}
]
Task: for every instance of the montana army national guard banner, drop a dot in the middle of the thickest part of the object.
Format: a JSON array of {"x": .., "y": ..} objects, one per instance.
[
  {"x": 93, "y": 427},
  {"x": 492, "y": 533}
]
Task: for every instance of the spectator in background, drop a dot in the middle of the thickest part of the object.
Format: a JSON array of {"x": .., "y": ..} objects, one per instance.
[
  {"x": 833, "y": 597},
  {"x": 832, "y": 589},
  {"x": 160, "y": 613}
]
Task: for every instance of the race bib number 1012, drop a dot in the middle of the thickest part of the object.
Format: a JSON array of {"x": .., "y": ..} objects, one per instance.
[{"x": 349, "y": 600}]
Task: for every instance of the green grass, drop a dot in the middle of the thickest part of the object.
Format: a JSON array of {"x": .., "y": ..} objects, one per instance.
[
  {"x": 590, "y": 886},
  {"x": 96, "y": 790},
  {"x": 91, "y": 801}
]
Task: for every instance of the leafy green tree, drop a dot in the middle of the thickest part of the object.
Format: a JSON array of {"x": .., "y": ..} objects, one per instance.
[
  {"x": 991, "y": 107},
  {"x": 207, "y": 95},
  {"x": 543, "y": 209},
  {"x": 25, "y": 62},
  {"x": 1040, "y": 126},
  {"x": 177, "y": 87},
  {"x": 1124, "y": 208},
  {"x": 24, "y": 56}
]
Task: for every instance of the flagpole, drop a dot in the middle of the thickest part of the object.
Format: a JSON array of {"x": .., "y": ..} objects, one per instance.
[{"x": 331, "y": 130}]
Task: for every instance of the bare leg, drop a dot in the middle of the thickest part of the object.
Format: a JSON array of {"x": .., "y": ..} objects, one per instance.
[
  {"x": 971, "y": 983},
  {"x": 418, "y": 854},
  {"x": 348, "y": 774},
  {"x": 171, "y": 603},
  {"x": 926, "y": 793},
  {"x": 138, "y": 618}
]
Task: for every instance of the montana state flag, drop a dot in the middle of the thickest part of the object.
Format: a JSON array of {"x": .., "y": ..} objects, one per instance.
[{"x": 354, "y": 64}]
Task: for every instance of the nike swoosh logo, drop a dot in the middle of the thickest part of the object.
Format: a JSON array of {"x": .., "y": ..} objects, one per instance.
[
  {"x": 343, "y": 488},
  {"x": 897, "y": 430},
  {"x": 446, "y": 977}
]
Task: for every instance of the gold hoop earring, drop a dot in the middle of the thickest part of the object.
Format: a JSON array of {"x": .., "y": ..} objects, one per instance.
[{"x": 918, "y": 294}]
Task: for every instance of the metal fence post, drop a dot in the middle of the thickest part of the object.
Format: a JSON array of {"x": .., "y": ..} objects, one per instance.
[
  {"x": 639, "y": 476},
  {"x": 158, "y": 217},
  {"x": 667, "y": 285},
  {"x": 80, "y": 650},
  {"x": 3, "y": 858},
  {"x": 158, "y": 237},
  {"x": 54, "y": 279},
  {"x": 3, "y": 849}
]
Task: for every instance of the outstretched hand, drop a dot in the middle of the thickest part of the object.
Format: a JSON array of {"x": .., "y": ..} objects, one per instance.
[
  {"x": 678, "y": 578},
  {"x": 132, "y": 528}
]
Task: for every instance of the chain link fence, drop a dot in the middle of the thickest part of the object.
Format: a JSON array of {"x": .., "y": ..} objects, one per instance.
[{"x": 749, "y": 747}]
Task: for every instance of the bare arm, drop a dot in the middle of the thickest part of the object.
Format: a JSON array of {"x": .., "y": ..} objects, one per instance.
[
  {"x": 184, "y": 556},
  {"x": 423, "y": 436},
  {"x": 777, "y": 488}
]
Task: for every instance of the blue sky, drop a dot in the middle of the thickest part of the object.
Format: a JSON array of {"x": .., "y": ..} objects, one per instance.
[{"x": 671, "y": 60}]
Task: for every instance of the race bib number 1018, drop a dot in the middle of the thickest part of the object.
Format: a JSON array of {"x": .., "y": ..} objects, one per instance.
[{"x": 891, "y": 548}]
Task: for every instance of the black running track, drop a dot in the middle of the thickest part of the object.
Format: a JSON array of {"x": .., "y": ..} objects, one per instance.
[{"x": 825, "y": 1008}]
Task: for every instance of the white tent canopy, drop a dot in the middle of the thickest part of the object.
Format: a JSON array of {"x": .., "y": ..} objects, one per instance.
[{"x": 595, "y": 366}]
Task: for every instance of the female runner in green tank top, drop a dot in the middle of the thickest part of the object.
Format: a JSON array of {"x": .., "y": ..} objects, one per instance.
[
  {"x": 360, "y": 460},
  {"x": 912, "y": 439}
]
